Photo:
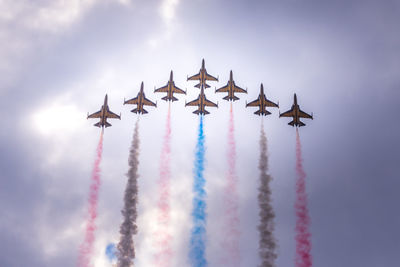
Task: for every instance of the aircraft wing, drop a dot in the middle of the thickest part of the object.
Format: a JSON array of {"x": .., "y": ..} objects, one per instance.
[
  {"x": 270, "y": 103},
  {"x": 223, "y": 89},
  {"x": 238, "y": 89},
  {"x": 163, "y": 89},
  {"x": 194, "y": 77},
  {"x": 255, "y": 103},
  {"x": 178, "y": 90},
  {"x": 132, "y": 101},
  {"x": 148, "y": 102},
  {"x": 193, "y": 103},
  {"x": 209, "y": 103},
  {"x": 210, "y": 77},
  {"x": 112, "y": 115},
  {"x": 288, "y": 113},
  {"x": 302, "y": 114},
  {"x": 95, "y": 115}
]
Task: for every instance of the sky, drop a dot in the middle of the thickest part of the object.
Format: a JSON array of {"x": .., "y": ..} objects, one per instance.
[{"x": 59, "y": 59}]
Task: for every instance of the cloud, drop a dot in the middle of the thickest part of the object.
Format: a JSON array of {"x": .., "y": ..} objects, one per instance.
[
  {"x": 24, "y": 25},
  {"x": 50, "y": 16},
  {"x": 168, "y": 9},
  {"x": 167, "y": 12}
]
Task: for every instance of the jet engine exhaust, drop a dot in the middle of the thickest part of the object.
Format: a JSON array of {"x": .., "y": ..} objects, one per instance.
[
  {"x": 267, "y": 242},
  {"x": 303, "y": 235},
  {"x": 198, "y": 233},
  {"x": 128, "y": 228},
  {"x": 86, "y": 248},
  {"x": 162, "y": 236}
]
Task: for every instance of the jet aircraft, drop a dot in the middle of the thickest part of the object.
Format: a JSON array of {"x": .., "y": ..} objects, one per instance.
[
  {"x": 296, "y": 113},
  {"x": 140, "y": 100},
  {"x": 170, "y": 89},
  {"x": 262, "y": 102},
  {"x": 202, "y": 76},
  {"x": 231, "y": 88},
  {"x": 103, "y": 114},
  {"x": 201, "y": 102}
]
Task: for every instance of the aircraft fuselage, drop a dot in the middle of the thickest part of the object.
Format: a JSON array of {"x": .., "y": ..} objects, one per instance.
[
  {"x": 202, "y": 105},
  {"x": 170, "y": 94},
  {"x": 296, "y": 109},
  {"x": 103, "y": 112},
  {"x": 262, "y": 99},
  {"x": 231, "y": 89},
  {"x": 140, "y": 100}
]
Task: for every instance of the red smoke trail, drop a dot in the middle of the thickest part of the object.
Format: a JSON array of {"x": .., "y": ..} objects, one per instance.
[
  {"x": 303, "y": 235},
  {"x": 86, "y": 248},
  {"x": 230, "y": 243},
  {"x": 162, "y": 235}
]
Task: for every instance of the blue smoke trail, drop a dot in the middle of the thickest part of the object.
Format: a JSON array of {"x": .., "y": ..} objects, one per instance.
[
  {"x": 198, "y": 234},
  {"x": 111, "y": 250}
]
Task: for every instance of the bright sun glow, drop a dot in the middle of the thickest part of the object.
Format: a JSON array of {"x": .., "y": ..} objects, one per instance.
[{"x": 56, "y": 118}]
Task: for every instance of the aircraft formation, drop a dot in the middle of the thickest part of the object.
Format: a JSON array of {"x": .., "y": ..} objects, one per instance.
[{"x": 202, "y": 102}]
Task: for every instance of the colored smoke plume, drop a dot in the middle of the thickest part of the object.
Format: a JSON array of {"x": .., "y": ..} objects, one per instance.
[
  {"x": 86, "y": 248},
  {"x": 230, "y": 250},
  {"x": 267, "y": 242},
  {"x": 303, "y": 235},
  {"x": 198, "y": 232},
  {"x": 111, "y": 250},
  {"x": 162, "y": 236},
  {"x": 126, "y": 248}
]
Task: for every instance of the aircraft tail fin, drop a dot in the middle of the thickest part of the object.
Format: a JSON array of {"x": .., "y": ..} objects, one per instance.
[
  {"x": 107, "y": 124},
  {"x": 205, "y": 85},
  {"x": 264, "y": 113},
  {"x": 98, "y": 124},
  {"x": 291, "y": 123},
  {"x": 166, "y": 98},
  {"x": 137, "y": 111},
  {"x": 301, "y": 124},
  {"x": 229, "y": 98},
  {"x": 199, "y": 112}
]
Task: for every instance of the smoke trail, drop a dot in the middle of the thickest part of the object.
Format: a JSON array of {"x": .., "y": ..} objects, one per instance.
[
  {"x": 111, "y": 252},
  {"x": 231, "y": 230},
  {"x": 303, "y": 235},
  {"x": 198, "y": 234},
  {"x": 126, "y": 249},
  {"x": 162, "y": 236},
  {"x": 267, "y": 242},
  {"x": 86, "y": 248}
]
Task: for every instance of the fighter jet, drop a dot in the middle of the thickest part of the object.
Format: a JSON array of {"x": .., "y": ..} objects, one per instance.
[
  {"x": 104, "y": 113},
  {"x": 262, "y": 102},
  {"x": 140, "y": 100},
  {"x": 296, "y": 113},
  {"x": 231, "y": 89},
  {"x": 170, "y": 89},
  {"x": 201, "y": 102},
  {"x": 202, "y": 76}
]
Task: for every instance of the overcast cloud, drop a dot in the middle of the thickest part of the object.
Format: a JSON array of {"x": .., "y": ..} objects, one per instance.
[{"x": 59, "y": 59}]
